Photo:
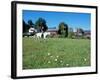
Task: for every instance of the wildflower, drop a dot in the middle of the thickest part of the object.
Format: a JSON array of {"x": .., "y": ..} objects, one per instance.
[
  {"x": 67, "y": 64},
  {"x": 57, "y": 56},
  {"x": 49, "y": 62},
  {"x": 51, "y": 56},
  {"x": 48, "y": 54},
  {"x": 55, "y": 59},
  {"x": 84, "y": 59}
]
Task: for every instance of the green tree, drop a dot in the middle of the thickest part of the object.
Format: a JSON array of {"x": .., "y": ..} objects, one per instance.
[
  {"x": 41, "y": 25},
  {"x": 30, "y": 23},
  {"x": 25, "y": 27},
  {"x": 80, "y": 31},
  {"x": 63, "y": 29},
  {"x": 71, "y": 33}
]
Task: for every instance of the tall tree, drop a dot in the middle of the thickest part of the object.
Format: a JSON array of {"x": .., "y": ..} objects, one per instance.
[
  {"x": 80, "y": 31},
  {"x": 30, "y": 23},
  {"x": 63, "y": 29},
  {"x": 25, "y": 27},
  {"x": 70, "y": 33},
  {"x": 41, "y": 25}
]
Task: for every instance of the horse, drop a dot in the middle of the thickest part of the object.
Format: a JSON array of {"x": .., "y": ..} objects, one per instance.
[
  {"x": 42, "y": 35},
  {"x": 46, "y": 34},
  {"x": 38, "y": 35}
]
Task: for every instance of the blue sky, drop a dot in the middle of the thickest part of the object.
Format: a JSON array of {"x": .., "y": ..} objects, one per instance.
[{"x": 74, "y": 20}]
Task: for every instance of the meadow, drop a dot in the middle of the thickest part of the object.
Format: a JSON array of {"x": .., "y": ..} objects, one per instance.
[{"x": 55, "y": 53}]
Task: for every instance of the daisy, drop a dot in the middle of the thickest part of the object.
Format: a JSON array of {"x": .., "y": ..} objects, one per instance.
[
  {"x": 51, "y": 56},
  {"x": 48, "y": 53},
  {"x": 57, "y": 56},
  {"x": 67, "y": 64},
  {"x": 49, "y": 62},
  {"x": 84, "y": 59},
  {"x": 55, "y": 59}
]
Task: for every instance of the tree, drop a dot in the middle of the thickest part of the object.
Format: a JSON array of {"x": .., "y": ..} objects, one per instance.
[
  {"x": 25, "y": 27},
  {"x": 80, "y": 31},
  {"x": 30, "y": 23},
  {"x": 63, "y": 29},
  {"x": 41, "y": 25},
  {"x": 71, "y": 33}
]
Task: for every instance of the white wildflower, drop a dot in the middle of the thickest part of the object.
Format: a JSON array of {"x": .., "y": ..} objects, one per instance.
[
  {"x": 84, "y": 59},
  {"x": 48, "y": 54},
  {"x": 67, "y": 64},
  {"x": 49, "y": 62},
  {"x": 55, "y": 59},
  {"x": 57, "y": 56},
  {"x": 51, "y": 56}
]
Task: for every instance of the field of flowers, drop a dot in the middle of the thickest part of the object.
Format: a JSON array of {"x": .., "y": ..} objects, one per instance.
[{"x": 55, "y": 53}]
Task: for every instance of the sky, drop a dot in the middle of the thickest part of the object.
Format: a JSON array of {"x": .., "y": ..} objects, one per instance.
[{"x": 73, "y": 19}]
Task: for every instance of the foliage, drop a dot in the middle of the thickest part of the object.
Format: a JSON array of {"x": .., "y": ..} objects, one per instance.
[
  {"x": 80, "y": 30},
  {"x": 30, "y": 23},
  {"x": 71, "y": 35},
  {"x": 25, "y": 27},
  {"x": 63, "y": 29},
  {"x": 41, "y": 25}
]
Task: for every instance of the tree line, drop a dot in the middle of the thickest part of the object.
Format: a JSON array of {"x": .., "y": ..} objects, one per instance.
[{"x": 41, "y": 26}]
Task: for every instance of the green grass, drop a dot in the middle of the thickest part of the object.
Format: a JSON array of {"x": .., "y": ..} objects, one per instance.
[{"x": 55, "y": 52}]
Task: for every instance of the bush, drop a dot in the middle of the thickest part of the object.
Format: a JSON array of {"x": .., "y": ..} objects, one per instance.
[{"x": 71, "y": 35}]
